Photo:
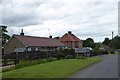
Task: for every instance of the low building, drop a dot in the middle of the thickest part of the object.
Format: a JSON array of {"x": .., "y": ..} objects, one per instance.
[
  {"x": 71, "y": 41},
  {"x": 31, "y": 43}
]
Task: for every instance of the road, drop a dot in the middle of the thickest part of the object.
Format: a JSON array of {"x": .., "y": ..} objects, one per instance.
[{"x": 107, "y": 68}]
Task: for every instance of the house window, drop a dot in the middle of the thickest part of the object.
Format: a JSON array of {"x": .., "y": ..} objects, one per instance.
[
  {"x": 37, "y": 49},
  {"x": 33, "y": 49},
  {"x": 29, "y": 49},
  {"x": 76, "y": 44}
]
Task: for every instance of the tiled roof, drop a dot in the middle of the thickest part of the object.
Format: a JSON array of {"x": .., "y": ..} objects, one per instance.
[
  {"x": 69, "y": 37},
  {"x": 38, "y": 41}
]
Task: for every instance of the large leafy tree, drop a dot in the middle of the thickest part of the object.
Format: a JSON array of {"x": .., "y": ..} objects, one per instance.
[
  {"x": 106, "y": 41},
  {"x": 89, "y": 42},
  {"x": 5, "y": 37},
  {"x": 115, "y": 43}
]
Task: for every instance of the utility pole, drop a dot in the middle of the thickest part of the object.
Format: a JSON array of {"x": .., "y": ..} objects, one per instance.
[{"x": 112, "y": 34}]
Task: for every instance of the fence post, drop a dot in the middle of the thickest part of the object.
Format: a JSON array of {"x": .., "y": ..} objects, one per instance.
[
  {"x": 16, "y": 58},
  {"x": 90, "y": 54},
  {"x": 83, "y": 54},
  {"x": 5, "y": 61}
]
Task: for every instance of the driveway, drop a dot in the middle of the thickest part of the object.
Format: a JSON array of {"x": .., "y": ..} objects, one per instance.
[{"x": 107, "y": 68}]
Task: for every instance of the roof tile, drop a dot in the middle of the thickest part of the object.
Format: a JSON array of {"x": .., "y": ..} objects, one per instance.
[{"x": 38, "y": 41}]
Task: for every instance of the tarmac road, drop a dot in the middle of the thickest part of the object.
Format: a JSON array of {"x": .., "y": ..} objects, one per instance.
[{"x": 107, "y": 68}]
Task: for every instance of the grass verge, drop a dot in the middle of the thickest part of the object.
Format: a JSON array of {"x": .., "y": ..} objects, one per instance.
[{"x": 56, "y": 69}]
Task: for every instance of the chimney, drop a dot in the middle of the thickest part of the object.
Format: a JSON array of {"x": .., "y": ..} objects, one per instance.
[
  {"x": 50, "y": 36},
  {"x": 69, "y": 32},
  {"x": 22, "y": 34},
  {"x": 56, "y": 37}
]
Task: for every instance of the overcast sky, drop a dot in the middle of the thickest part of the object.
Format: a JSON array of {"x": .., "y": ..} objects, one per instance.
[{"x": 85, "y": 18}]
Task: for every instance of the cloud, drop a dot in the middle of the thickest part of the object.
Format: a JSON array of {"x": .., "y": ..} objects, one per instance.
[{"x": 44, "y": 17}]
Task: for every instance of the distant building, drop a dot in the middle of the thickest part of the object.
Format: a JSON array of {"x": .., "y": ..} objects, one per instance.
[
  {"x": 70, "y": 40},
  {"x": 30, "y": 43}
]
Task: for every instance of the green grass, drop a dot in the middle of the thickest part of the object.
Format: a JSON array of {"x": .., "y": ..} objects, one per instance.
[{"x": 56, "y": 69}]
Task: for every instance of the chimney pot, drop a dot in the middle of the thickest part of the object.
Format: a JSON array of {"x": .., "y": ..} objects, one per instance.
[
  {"x": 22, "y": 33},
  {"x": 50, "y": 36},
  {"x": 69, "y": 32}
]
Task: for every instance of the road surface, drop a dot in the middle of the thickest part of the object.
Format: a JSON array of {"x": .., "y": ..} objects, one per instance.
[{"x": 107, "y": 68}]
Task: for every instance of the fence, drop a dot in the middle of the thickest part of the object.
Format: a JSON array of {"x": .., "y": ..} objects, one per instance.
[{"x": 16, "y": 57}]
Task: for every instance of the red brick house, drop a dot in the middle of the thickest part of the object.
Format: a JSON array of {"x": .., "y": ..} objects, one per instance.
[
  {"x": 71, "y": 41},
  {"x": 31, "y": 43}
]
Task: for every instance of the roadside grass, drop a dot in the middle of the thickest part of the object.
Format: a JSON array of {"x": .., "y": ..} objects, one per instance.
[{"x": 57, "y": 69}]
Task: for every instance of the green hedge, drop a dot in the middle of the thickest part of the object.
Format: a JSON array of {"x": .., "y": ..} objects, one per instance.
[
  {"x": 24, "y": 63},
  {"x": 81, "y": 57}
]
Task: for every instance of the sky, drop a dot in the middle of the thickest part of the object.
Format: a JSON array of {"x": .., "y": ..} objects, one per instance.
[{"x": 85, "y": 18}]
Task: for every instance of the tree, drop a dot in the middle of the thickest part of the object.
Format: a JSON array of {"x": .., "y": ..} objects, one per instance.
[
  {"x": 97, "y": 45},
  {"x": 106, "y": 41},
  {"x": 115, "y": 43},
  {"x": 89, "y": 42},
  {"x": 5, "y": 37}
]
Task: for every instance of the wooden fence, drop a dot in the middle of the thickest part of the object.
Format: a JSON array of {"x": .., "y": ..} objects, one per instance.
[
  {"x": 16, "y": 57},
  {"x": 33, "y": 55}
]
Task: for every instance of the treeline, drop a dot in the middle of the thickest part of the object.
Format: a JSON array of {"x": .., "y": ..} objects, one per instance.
[{"x": 111, "y": 43}]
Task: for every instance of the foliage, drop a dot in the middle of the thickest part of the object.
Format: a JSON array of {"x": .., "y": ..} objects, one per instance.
[
  {"x": 51, "y": 59},
  {"x": 114, "y": 44},
  {"x": 56, "y": 69},
  {"x": 59, "y": 55},
  {"x": 89, "y": 42},
  {"x": 9, "y": 68},
  {"x": 96, "y": 52},
  {"x": 105, "y": 52},
  {"x": 97, "y": 45},
  {"x": 69, "y": 57},
  {"x": 112, "y": 52},
  {"x": 24, "y": 63},
  {"x": 5, "y": 36},
  {"x": 106, "y": 41},
  {"x": 81, "y": 57},
  {"x": 69, "y": 51}
]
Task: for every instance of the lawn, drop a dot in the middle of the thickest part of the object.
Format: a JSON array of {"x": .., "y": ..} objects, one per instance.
[{"x": 56, "y": 69}]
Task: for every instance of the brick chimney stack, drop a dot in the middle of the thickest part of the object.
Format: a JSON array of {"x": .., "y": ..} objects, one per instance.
[
  {"x": 22, "y": 34},
  {"x": 69, "y": 32}
]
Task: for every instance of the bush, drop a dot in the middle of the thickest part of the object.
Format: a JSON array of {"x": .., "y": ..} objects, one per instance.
[
  {"x": 69, "y": 57},
  {"x": 112, "y": 52},
  {"x": 9, "y": 68},
  {"x": 105, "y": 52},
  {"x": 59, "y": 55},
  {"x": 23, "y": 63},
  {"x": 51, "y": 59},
  {"x": 68, "y": 51},
  {"x": 96, "y": 52},
  {"x": 81, "y": 57},
  {"x": 39, "y": 61}
]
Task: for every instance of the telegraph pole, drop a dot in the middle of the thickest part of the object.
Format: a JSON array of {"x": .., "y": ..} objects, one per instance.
[{"x": 112, "y": 34}]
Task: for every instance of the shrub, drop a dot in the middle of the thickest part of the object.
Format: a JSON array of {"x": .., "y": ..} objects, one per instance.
[
  {"x": 9, "y": 68},
  {"x": 39, "y": 61},
  {"x": 51, "y": 59},
  {"x": 69, "y": 57},
  {"x": 96, "y": 52},
  {"x": 68, "y": 51},
  {"x": 112, "y": 52},
  {"x": 23, "y": 63},
  {"x": 81, "y": 57},
  {"x": 59, "y": 55},
  {"x": 42, "y": 61},
  {"x": 105, "y": 52}
]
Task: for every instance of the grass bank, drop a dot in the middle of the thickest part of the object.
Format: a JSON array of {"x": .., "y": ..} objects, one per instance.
[{"x": 56, "y": 69}]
